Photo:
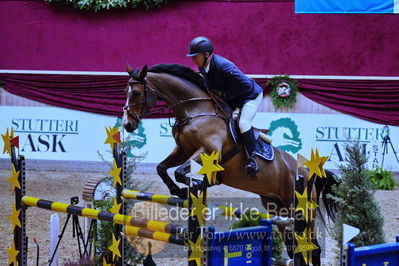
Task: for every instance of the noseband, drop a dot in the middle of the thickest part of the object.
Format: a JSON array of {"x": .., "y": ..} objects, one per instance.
[{"x": 138, "y": 117}]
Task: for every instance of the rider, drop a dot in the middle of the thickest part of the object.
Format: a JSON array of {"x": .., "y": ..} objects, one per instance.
[{"x": 229, "y": 83}]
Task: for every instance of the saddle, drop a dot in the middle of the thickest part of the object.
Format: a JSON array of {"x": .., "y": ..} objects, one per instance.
[{"x": 263, "y": 148}]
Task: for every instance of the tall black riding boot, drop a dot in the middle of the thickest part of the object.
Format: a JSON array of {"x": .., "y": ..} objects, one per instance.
[{"x": 249, "y": 142}]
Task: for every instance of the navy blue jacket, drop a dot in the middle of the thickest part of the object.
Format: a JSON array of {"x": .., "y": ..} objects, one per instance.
[{"x": 229, "y": 83}]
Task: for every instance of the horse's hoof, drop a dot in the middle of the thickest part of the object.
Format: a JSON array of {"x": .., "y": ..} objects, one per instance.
[
  {"x": 282, "y": 221},
  {"x": 289, "y": 262}
]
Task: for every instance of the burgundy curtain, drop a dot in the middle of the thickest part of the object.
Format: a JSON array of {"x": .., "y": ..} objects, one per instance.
[
  {"x": 91, "y": 93},
  {"x": 372, "y": 100}
]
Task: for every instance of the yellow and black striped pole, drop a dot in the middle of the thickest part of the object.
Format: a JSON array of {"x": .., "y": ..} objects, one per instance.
[
  {"x": 178, "y": 202},
  {"x": 159, "y": 236},
  {"x": 105, "y": 216},
  {"x": 236, "y": 212},
  {"x": 158, "y": 198}
]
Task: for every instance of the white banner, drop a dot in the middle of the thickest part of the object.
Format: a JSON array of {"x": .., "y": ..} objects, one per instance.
[
  {"x": 62, "y": 134},
  {"x": 293, "y": 133},
  {"x": 55, "y": 133},
  {"x": 299, "y": 133}
]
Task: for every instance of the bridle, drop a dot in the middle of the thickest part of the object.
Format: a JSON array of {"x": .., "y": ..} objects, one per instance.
[{"x": 139, "y": 116}]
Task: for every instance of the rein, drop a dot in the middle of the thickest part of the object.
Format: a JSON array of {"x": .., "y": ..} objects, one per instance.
[
  {"x": 140, "y": 116},
  {"x": 181, "y": 102}
]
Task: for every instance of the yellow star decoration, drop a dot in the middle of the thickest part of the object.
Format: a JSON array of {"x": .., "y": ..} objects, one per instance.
[
  {"x": 114, "y": 248},
  {"x": 111, "y": 131},
  {"x": 304, "y": 204},
  {"x": 116, "y": 208},
  {"x": 315, "y": 164},
  {"x": 115, "y": 173},
  {"x": 210, "y": 165},
  {"x": 14, "y": 218},
  {"x": 304, "y": 246},
  {"x": 14, "y": 179},
  {"x": 198, "y": 208},
  {"x": 323, "y": 161},
  {"x": 196, "y": 251},
  {"x": 12, "y": 254},
  {"x": 105, "y": 262},
  {"x": 7, "y": 141}
]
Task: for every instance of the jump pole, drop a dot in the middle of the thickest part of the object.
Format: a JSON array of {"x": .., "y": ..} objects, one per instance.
[
  {"x": 104, "y": 216},
  {"x": 20, "y": 238},
  {"x": 155, "y": 235},
  {"x": 178, "y": 202}
]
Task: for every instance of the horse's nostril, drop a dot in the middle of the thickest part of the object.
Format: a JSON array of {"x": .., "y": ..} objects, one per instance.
[{"x": 128, "y": 127}]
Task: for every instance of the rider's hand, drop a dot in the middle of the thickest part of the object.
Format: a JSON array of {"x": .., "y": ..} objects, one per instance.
[{"x": 236, "y": 113}]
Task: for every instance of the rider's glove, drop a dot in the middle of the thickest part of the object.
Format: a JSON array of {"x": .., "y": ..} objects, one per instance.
[{"x": 236, "y": 113}]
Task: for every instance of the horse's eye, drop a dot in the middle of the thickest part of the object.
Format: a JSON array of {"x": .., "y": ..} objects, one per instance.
[{"x": 136, "y": 93}]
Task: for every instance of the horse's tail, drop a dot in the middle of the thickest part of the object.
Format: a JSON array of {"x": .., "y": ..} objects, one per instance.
[{"x": 323, "y": 188}]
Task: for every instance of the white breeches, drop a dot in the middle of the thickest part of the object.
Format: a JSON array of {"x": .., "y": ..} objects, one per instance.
[{"x": 248, "y": 113}]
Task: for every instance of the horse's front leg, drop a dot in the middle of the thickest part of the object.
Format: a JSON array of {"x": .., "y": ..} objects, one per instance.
[
  {"x": 184, "y": 169},
  {"x": 175, "y": 158}
]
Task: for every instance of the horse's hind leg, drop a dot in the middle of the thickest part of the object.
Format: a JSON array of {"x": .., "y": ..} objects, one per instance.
[
  {"x": 275, "y": 206},
  {"x": 177, "y": 157},
  {"x": 316, "y": 253}
]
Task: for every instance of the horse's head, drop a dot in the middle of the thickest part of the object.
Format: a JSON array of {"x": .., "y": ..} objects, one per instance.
[{"x": 140, "y": 98}]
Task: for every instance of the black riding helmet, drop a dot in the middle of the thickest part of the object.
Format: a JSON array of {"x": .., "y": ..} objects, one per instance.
[{"x": 200, "y": 45}]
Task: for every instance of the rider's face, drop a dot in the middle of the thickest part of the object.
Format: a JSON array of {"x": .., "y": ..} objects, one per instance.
[{"x": 198, "y": 59}]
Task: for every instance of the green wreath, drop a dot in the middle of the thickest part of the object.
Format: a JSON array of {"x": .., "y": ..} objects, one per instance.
[
  {"x": 284, "y": 91},
  {"x": 98, "y": 5}
]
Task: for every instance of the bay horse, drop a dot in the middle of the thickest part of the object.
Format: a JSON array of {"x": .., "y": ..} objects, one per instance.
[{"x": 201, "y": 128}]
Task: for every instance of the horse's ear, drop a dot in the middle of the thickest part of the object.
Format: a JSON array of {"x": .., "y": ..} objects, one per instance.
[
  {"x": 143, "y": 73},
  {"x": 129, "y": 70}
]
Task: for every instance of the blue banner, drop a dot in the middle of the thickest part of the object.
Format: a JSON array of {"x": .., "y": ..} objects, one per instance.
[{"x": 345, "y": 6}]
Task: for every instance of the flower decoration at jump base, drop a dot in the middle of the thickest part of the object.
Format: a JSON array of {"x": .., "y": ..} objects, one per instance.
[{"x": 284, "y": 91}]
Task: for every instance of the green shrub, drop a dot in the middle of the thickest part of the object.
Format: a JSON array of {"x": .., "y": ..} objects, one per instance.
[
  {"x": 98, "y": 5},
  {"x": 383, "y": 179},
  {"x": 355, "y": 198}
]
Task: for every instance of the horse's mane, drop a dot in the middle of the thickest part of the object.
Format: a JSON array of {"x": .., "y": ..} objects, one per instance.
[{"x": 181, "y": 72}]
